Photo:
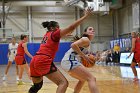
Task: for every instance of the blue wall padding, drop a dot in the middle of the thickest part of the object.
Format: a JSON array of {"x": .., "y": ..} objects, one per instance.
[
  {"x": 63, "y": 48},
  {"x": 3, "y": 53},
  {"x": 33, "y": 48}
]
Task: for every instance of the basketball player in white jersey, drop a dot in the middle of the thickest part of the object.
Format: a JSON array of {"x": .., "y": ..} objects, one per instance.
[
  {"x": 12, "y": 50},
  {"x": 73, "y": 66}
]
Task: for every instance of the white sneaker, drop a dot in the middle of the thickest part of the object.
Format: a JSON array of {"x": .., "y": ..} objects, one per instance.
[
  {"x": 4, "y": 78},
  {"x": 17, "y": 78}
]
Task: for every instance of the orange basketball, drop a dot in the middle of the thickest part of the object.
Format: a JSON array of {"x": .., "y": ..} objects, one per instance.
[{"x": 88, "y": 64}]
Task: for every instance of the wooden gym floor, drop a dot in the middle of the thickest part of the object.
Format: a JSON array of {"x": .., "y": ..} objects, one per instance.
[{"x": 110, "y": 79}]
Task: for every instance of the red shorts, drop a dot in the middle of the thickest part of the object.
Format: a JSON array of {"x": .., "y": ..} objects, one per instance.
[
  {"x": 20, "y": 60},
  {"x": 137, "y": 57},
  {"x": 41, "y": 65}
]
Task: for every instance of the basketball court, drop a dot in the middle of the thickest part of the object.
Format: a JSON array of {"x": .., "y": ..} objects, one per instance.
[
  {"x": 112, "y": 20},
  {"x": 110, "y": 79}
]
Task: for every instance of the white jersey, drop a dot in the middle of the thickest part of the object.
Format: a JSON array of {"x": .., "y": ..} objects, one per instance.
[
  {"x": 71, "y": 59},
  {"x": 72, "y": 55},
  {"x": 13, "y": 48}
]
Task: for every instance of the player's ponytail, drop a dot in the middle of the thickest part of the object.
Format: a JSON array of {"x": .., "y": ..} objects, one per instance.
[
  {"x": 84, "y": 34},
  {"x": 50, "y": 24},
  {"x": 22, "y": 36},
  {"x": 45, "y": 24}
]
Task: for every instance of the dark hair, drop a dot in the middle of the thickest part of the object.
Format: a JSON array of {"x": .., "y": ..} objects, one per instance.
[
  {"x": 138, "y": 34},
  {"x": 86, "y": 29},
  {"x": 85, "y": 35},
  {"x": 22, "y": 36},
  {"x": 75, "y": 38},
  {"x": 50, "y": 24}
]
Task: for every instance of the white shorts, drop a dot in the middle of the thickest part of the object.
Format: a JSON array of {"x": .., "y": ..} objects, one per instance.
[
  {"x": 70, "y": 64},
  {"x": 11, "y": 58}
]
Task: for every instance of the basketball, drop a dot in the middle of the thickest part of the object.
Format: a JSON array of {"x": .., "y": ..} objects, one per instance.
[{"x": 88, "y": 64}]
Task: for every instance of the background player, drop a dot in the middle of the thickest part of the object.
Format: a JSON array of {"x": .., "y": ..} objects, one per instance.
[
  {"x": 12, "y": 50},
  {"x": 20, "y": 57},
  {"x": 136, "y": 50}
]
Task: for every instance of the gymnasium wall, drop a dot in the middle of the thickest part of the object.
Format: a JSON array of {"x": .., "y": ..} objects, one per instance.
[
  {"x": 103, "y": 27},
  {"x": 33, "y": 47},
  {"x": 125, "y": 20},
  {"x": 18, "y": 20}
]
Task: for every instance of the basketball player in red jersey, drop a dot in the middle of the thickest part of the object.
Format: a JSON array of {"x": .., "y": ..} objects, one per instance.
[
  {"x": 20, "y": 57},
  {"x": 136, "y": 50},
  {"x": 42, "y": 63}
]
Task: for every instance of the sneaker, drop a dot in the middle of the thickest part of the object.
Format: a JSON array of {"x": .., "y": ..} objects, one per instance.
[
  {"x": 21, "y": 83},
  {"x": 4, "y": 78},
  {"x": 17, "y": 78},
  {"x": 135, "y": 79}
]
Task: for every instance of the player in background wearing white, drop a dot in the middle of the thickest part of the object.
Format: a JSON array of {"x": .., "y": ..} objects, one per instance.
[{"x": 12, "y": 50}]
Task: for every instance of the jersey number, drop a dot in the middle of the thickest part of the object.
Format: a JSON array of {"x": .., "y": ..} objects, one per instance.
[{"x": 44, "y": 40}]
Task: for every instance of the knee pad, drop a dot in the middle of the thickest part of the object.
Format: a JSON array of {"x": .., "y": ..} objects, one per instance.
[{"x": 36, "y": 87}]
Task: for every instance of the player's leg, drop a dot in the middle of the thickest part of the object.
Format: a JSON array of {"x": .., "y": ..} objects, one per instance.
[
  {"x": 27, "y": 70},
  {"x": 6, "y": 70},
  {"x": 38, "y": 82},
  {"x": 58, "y": 78},
  {"x": 21, "y": 70},
  {"x": 17, "y": 72},
  {"x": 80, "y": 83},
  {"x": 133, "y": 64},
  {"x": 83, "y": 74}
]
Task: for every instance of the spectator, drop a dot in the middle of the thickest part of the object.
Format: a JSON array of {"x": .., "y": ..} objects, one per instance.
[
  {"x": 109, "y": 58},
  {"x": 116, "y": 49},
  {"x": 127, "y": 49}
]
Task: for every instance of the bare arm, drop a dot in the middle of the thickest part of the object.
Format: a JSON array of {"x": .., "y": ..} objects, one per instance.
[
  {"x": 24, "y": 45},
  {"x": 9, "y": 52},
  {"x": 133, "y": 46},
  {"x": 80, "y": 43},
  {"x": 75, "y": 24}
]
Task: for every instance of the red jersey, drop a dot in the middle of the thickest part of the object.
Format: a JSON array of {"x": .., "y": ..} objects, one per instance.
[
  {"x": 50, "y": 43},
  {"x": 41, "y": 63},
  {"x": 137, "y": 45},
  {"x": 20, "y": 49}
]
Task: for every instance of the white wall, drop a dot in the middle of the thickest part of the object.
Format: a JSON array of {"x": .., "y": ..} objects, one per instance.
[
  {"x": 103, "y": 31},
  {"x": 18, "y": 21},
  {"x": 102, "y": 25},
  {"x": 17, "y": 18},
  {"x": 125, "y": 20}
]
